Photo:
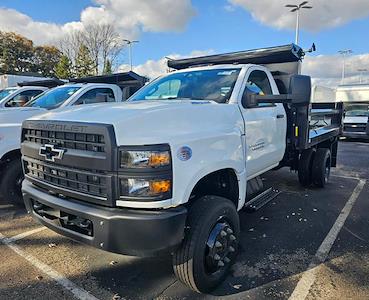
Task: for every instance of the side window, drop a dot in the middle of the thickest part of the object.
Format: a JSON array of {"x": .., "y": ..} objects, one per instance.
[
  {"x": 97, "y": 95},
  {"x": 258, "y": 83},
  {"x": 22, "y": 98}
]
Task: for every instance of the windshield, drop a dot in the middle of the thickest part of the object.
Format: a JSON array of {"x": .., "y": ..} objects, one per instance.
[
  {"x": 357, "y": 110},
  {"x": 6, "y": 92},
  {"x": 216, "y": 85},
  {"x": 53, "y": 98}
]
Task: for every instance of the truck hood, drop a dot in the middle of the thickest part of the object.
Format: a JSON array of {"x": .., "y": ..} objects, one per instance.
[
  {"x": 355, "y": 120},
  {"x": 16, "y": 115},
  {"x": 146, "y": 122}
]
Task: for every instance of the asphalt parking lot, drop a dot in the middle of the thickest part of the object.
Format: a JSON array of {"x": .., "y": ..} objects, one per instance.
[{"x": 306, "y": 244}]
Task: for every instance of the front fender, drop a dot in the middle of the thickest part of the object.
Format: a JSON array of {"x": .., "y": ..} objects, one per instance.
[
  {"x": 209, "y": 154},
  {"x": 10, "y": 137}
]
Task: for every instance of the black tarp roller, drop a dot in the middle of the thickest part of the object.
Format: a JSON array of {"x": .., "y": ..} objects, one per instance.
[{"x": 271, "y": 55}]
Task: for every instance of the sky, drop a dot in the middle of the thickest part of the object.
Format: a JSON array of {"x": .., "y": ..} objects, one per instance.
[{"x": 181, "y": 28}]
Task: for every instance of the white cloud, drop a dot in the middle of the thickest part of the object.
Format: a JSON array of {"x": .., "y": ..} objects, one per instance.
[
  {"x": 155, "y": 68},
  {"x": 325, "y": 13},
  {"x": 129, "y": 16},
  {"x": 327, "y": 69},
  {"x": 39, "y": 32}
]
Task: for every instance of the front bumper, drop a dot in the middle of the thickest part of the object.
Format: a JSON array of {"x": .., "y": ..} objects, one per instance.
[
  {"x": 356, "y": 135},
  {"x": 123, "y": 231}
]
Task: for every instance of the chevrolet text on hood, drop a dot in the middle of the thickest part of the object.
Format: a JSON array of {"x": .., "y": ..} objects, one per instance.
[
  {"x": 168, "y": 171},
  {"x": 59, "y": 127}
]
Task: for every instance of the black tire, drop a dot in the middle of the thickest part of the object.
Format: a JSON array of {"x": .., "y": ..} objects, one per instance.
[
  {"x": 321, "y": 167},
  {"x": 11, "y": 182},
  {"x": 196, "y": 263},
  {"x": 305, "y": 167}
]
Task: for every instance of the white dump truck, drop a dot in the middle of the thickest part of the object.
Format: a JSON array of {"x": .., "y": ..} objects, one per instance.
[{"x": 168, "y": 170}]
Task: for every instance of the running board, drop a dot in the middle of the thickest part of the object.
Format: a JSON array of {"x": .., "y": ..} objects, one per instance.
[{"x": 262, "y": 199}]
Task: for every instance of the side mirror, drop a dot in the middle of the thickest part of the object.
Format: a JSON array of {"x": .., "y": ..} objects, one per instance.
[{"x": 249, "y": 100}]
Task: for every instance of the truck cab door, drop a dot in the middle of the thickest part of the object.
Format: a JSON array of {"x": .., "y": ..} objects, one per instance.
[{"x": 265, "y": 125}]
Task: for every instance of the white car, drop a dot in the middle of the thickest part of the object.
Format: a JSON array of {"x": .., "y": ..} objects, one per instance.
[
  {"x": 11, "y": 120},
  {"x": 19, "y": 96}
]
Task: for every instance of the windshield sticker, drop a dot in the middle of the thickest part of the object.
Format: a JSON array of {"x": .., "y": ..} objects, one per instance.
[{"x": 227, "y": 73}]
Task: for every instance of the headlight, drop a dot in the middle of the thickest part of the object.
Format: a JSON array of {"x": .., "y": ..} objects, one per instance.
[
  {"x": 145, "y": 158},
  {"x": 158, "y": 188},
  {"x": 145, "y": 173}
]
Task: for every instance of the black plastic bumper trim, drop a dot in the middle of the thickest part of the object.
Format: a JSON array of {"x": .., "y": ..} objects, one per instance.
[
  {"x": 357, "y": 134},
  {"x": 123, "y": 231}
]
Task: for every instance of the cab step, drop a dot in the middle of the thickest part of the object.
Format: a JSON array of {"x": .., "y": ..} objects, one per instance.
[{"x": 262, "y": 199}]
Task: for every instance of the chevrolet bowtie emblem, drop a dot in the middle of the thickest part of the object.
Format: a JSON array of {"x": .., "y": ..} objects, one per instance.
[{"x": 50, "y": 152}]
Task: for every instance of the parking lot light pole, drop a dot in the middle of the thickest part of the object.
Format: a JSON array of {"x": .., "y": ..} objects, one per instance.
[
  {"x": 296, "y": 8},
  {"x": 344, "y": 53},
  {"x": 129, "y": 43},
  {"x": 362, "y": 71}
]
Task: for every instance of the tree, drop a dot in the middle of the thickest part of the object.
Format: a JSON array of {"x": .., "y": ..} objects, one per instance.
[
  {"x": 107, "y": 68},
  {"x": 102, "y": 41},
  {"x": 84, "y": 65},
  {"x": 63, "y": 69},
  {"x": 16, "y": 53},
  {"x": 45, "y": 60}
]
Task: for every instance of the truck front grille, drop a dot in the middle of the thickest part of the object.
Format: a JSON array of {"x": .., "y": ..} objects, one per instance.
[
  {"x": 81, "y": 181},
  {"x": 68, "y": 140},
  {"x": 349, "y": 127}
]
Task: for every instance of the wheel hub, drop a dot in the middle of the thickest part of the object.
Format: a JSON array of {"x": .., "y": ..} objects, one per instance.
[{"x": 221, "y": 247}]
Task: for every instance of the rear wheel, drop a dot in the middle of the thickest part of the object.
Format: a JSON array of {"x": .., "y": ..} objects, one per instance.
[
  {"x": 210, "y": 244},
  {"x": 321, "y": 167},
  {"x": 11, "y": 182},
  {"x": 305, "y": 167}
]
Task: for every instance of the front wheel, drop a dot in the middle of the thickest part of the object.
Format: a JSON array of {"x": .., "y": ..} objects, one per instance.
[
  {"x": 210, "y": 244},
  {"x": 11, "y": 182}
]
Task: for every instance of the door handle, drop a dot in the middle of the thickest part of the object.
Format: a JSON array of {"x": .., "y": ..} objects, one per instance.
[{"x": 280, "y": 116}]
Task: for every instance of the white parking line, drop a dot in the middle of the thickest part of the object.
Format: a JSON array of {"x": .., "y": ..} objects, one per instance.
[
  {"x": 346, "y": 177},
  {"x": 25, "y": 234},
  {"x": 6, "y": 206},
  {"x": 308, "y": 277},
  {"x": 78, "y": 292}
]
